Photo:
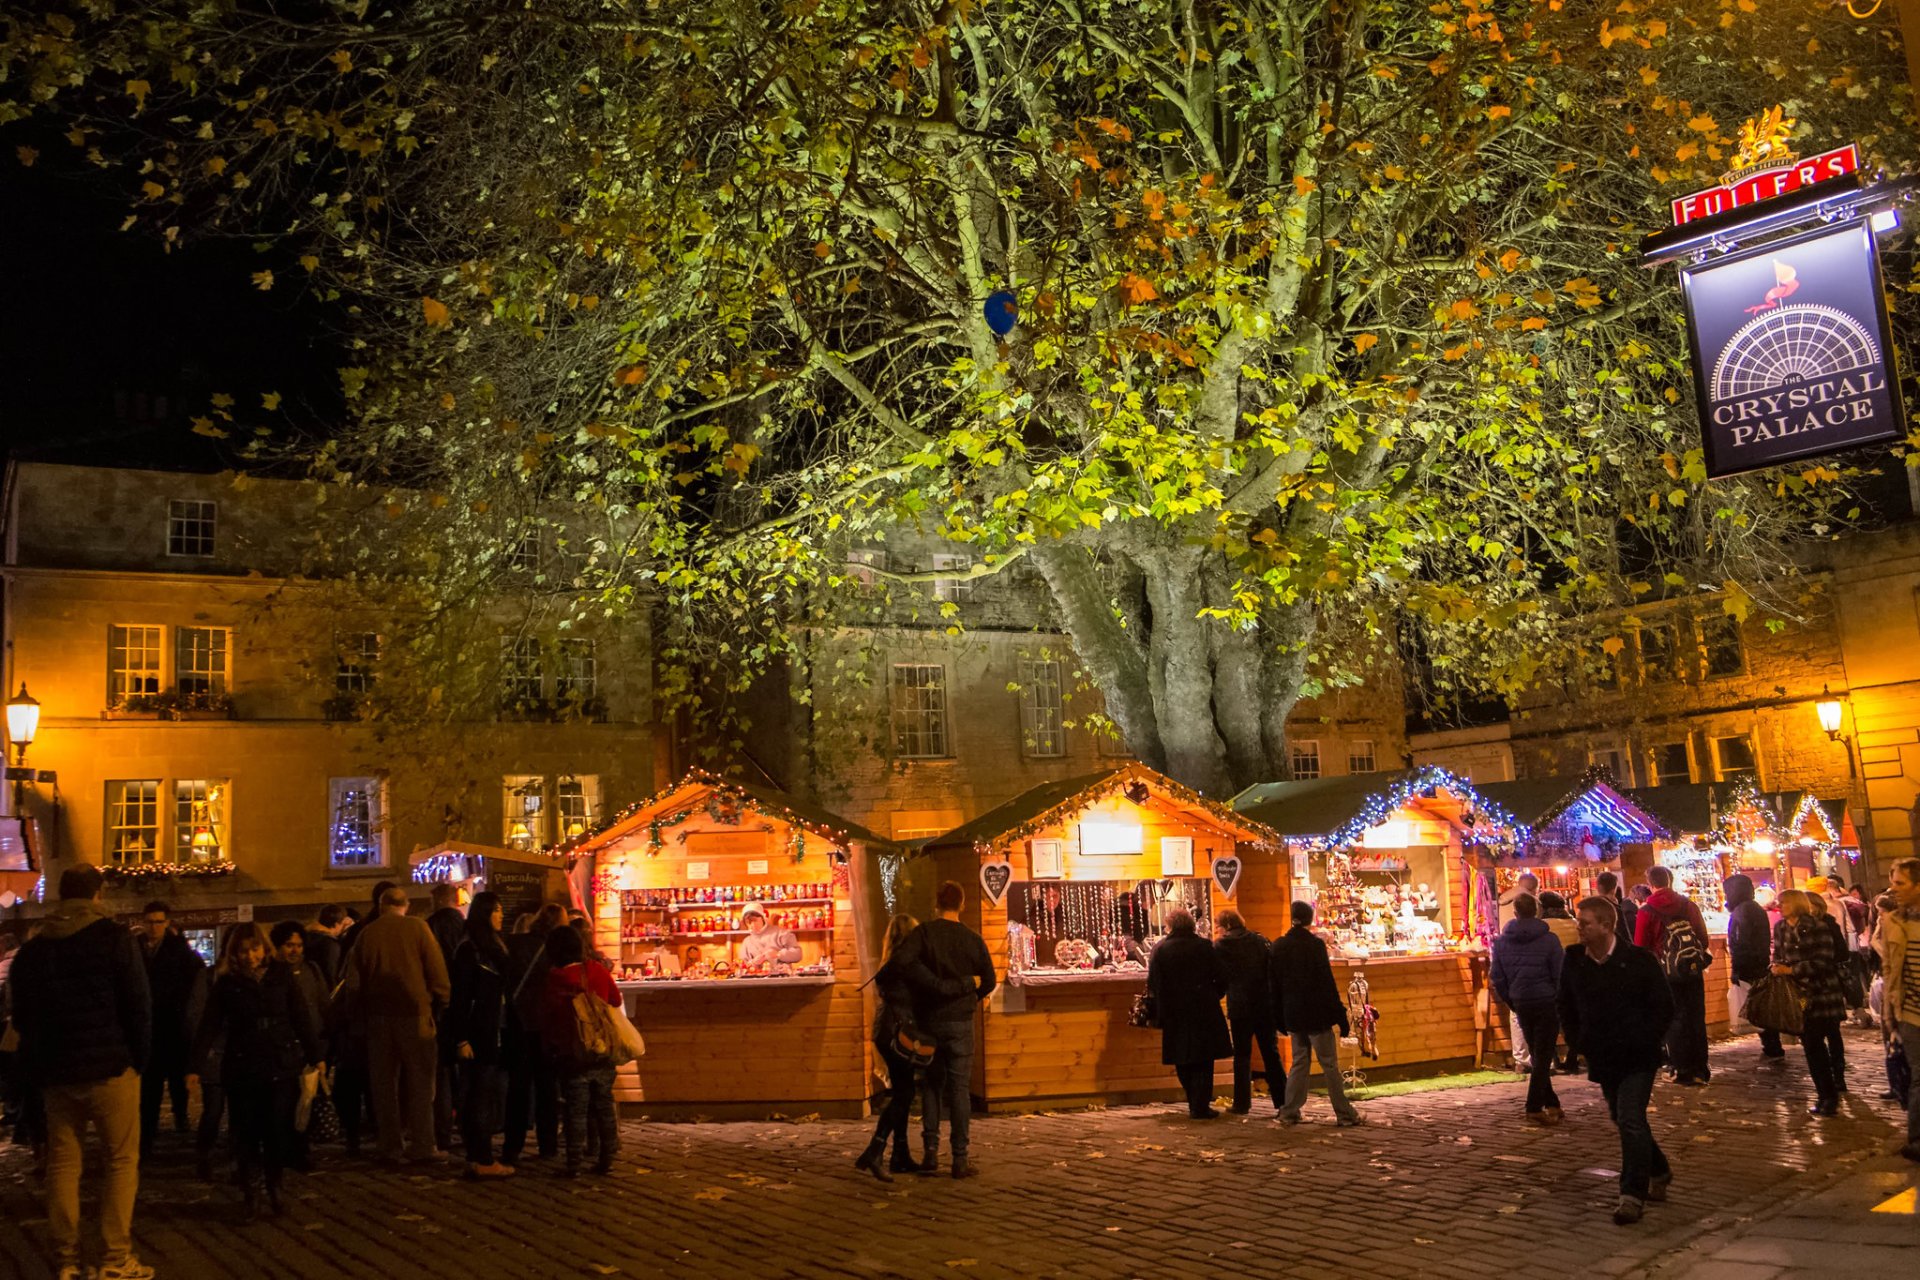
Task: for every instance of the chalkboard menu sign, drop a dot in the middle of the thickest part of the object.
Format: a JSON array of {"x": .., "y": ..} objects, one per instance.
[{"x": 521, "y": 886}]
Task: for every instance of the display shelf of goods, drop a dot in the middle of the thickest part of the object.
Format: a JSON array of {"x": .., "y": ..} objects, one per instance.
[{"x": 1094, "y": 929}]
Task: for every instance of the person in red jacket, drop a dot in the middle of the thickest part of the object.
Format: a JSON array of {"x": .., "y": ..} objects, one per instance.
[
  {"x": 1687, "y": 1037},
  {"x": 586, "y": 1080}
]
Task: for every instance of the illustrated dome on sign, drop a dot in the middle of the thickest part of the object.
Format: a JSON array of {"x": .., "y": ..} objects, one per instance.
[{"x": 1797, "y": 343}]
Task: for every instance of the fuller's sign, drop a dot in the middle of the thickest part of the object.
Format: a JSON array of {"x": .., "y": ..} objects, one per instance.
[
  {"x": 1755, "y": 185},
  {"x": 1790, "y": 353}
]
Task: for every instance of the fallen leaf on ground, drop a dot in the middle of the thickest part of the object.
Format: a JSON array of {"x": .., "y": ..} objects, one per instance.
[
  {"x": 712, "y": 1193},
  {"x": 1509, "y": 1208},
  {"x": 605, "y": 1270},
  {"x": 963, "y": 1262}
]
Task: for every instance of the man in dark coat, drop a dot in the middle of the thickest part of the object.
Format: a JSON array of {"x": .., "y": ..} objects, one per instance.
[
  {"x": 1307, "y": 1007},
  {"x": 449, "y": 926},
  {"x": 81, "y": 1003},
  {"x": 323, "y": 949},
  {"x": 176, "y": 982},
  {"x": 1527, "y": 959},
  {"x": 1249, "y": 1009},
  {"x": 1186, "y": 978},
  {"x": 1616, "y": 1001},
  {"x": 1749, "y": 955},
  {"x": 951, "y": 972}
]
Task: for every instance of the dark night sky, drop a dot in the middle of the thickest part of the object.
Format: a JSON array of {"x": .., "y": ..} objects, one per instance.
[{"x": 92, "y": 312}]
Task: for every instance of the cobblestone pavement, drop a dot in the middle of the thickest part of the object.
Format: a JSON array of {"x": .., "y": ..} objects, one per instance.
[{"x": 1441, "y": 1183}]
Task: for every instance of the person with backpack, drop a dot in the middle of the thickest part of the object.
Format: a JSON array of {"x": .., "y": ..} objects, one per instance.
[
  {"x": 1807, "y": 953},
  {"x": 578, "y": 1032},
  {"x": 1670, "y": 926}
]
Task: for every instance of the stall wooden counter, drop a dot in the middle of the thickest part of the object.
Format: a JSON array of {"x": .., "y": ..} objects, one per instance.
[
  {"x": 738, "y": 1023},
  {"x": 1065, "y": 883}
]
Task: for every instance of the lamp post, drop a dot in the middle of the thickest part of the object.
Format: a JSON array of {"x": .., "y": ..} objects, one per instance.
[
  {"x": 23, "y": 722},
  {"x": 1832, "y": 712}
]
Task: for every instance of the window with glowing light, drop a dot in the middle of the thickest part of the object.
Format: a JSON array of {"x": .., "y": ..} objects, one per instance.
[
  {"x": 355, "y": 838},
  {"x": 200, "y": 819},
  {"x": 133, "y": 821},
  {"x": 523, "y": 811},
  {"x": 576, "y": 803}
]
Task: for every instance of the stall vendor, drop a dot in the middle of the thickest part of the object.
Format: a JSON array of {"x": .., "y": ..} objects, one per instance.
[{"x": 765, "y": 945}]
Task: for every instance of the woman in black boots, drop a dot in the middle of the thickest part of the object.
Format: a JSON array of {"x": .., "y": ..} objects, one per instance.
[
  {"x": 476, "y": 1025},
  {"x": 892, "y": 1025},
  {"x": 266, "y": 1031}
]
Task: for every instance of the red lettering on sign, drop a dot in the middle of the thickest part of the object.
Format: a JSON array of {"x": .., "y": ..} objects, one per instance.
[{"x": 1767, "y": 184}]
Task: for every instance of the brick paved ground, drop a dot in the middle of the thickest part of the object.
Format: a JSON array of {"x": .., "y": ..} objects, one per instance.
[{"x": 1444, "y": 1183}]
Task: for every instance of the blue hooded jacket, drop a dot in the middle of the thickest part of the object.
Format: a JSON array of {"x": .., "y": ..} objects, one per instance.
[{"x": 1527, "y": 960}]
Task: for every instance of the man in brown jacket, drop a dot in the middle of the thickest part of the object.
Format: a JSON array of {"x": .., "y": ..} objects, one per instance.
[{"x": 399, "y": 981}]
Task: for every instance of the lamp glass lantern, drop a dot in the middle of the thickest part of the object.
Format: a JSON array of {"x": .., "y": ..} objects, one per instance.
[
  {"x": 1829, "y": 710},
  {"x": 23, "y": 719}
]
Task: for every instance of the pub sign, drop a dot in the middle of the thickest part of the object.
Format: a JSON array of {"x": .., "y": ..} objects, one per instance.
[{"x": 1791, "y": 353}]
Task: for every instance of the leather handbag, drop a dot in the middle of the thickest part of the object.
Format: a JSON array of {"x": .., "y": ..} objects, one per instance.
[
  {"x": 1775, "y": 1004},
  {"x": 1145, "y": 1012}
]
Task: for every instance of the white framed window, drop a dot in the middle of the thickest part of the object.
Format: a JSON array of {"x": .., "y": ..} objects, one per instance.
[
  {"x": 577, "y": 681},
  {"x": 133, "y": 663},
  {"x": 576, "y": 804},
  {"x": 1305, "y": 759},
  {"x": 1733, "y": 758},
  {"x": 524, "y": 555},
  {"x": 521, "y": 683},
  {"x": 1671, "y": 763},
  {"x": 1614, "y": 757},
  {"x": 1043, "y": 734},
  {"x": 200, "y": 819},
  {"x": 200, "y": 661},
  {"x": 862, "y": 562},
  {"x": 1720, "y": 644},
  {"x": 952, "y": 590},
  {"x": 523, "y": 811},
  {"x": 356, "y": 810},
  {"x": 133, "y": 821},
  {"x": 357, "y": 659},
  {"x": 920, "y": 710},
  {"x": 1360, "y": 758},
  {"x": 190, "y": 525}
]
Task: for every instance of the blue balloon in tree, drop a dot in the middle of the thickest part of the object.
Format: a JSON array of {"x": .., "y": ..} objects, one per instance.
[{"x": 1003, "y": 312}]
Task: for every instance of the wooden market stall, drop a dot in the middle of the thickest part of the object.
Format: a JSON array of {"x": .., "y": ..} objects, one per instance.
[
  {"x": 1571, "y": 830},
  {"x": 524, "y": 879},
  {"x": 1070, "y": 884},
  {"x": 1392, "y": 861},
  {"x": 739, "y": 1020}
]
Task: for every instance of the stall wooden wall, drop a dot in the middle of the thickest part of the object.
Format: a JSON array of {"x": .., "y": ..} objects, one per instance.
[
  {"x": 1072, "y": 1043},
  {"x": 743, "y": 1051}
]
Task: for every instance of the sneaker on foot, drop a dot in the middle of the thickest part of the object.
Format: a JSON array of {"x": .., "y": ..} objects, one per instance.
[
  {"x": 1628, "y": 1211},
  {"x": 127, "y": 1268},
  {"x": 1657, "y": 1186},
  {"x": 1349, "y": 1122}
]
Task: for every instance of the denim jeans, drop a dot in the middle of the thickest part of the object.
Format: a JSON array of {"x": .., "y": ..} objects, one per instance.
[
  {"x": 1540, "y": 1026},
  {"x": 586, "y": 1100},
  {"x": 1325, "y": 1046},
  {"x": 1245, "y": 1038},
  {"x": 948, "y": 1086},
  {"x": 1640, "y": 1156}
]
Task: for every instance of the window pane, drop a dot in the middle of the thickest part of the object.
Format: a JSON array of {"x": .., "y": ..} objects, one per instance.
[
  {"x": 200, "y": 661},
  {"x": 920, "y": 710},
  {"x": 861, "y": 564},
  {"x": 1360, "y": 757},
  {"x": 199, "y": 820},
  {"x": 356, "y": 654},
  {"x": 1042, "y": 710},
  {"x": 1670, "y": 764},
  {"x": 1306, "y": 759},
  {"x": 133, "y": 664},
  {"x": 133, "y": 821},
  {"x": 577, "y": 804},
  {"x": 520, "y": 678},
  {"x": 952, "y": 589},
  {"x": 578, "y": 678},
  {"x": 1658, "y": 661},
  {"x": 524, "y": 817},
  {"x": 1615, "y": 761},
  {"x": 524, "y": 557},
  {"x": 190, "y": 528},
  {"x": 1720, "y": 636},
  {"x": 1733, "y": 757},
  {"x": 354, "y": 838}
]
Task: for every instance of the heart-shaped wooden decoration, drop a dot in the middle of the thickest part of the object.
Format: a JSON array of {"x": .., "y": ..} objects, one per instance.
[
  {"x": 1226, "y": 874},
  {"x": 994, "y": 879}
]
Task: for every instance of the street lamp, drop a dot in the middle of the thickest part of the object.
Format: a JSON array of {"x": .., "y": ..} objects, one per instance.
[
  {"x": 23, "y": 721},
  {"x": 1829, "y": 709}
]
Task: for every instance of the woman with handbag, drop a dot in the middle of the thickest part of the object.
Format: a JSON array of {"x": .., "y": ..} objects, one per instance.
[
  {"x": 1807, "y": 954},
  {"x": 903, "y": 1048},
  {"x": 1851, "y": 990},
  {"x": 267, "y": 1033}
]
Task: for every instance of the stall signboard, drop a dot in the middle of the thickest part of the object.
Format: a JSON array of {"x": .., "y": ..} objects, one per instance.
[
  {"x": 1766, "y": 183},
  {"x": 522, "y": 887},
  {"x": 1791, "y": 350}
]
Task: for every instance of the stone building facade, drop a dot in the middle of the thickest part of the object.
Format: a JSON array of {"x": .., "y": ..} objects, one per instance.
[{"x": 204, "y": 705}]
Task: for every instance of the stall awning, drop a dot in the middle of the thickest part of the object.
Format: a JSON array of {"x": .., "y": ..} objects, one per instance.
[
  {"x": 425, "y": 854},
  {"x": 699, "y": 788},
  {"x": 1051, "y": 802},
  {"x": 1589, "y": 800},
  {"x": 1339, "y": 809}
]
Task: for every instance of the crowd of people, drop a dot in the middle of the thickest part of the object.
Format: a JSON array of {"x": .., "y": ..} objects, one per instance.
[
  {"x": 347, "y": 1027},
  {"x": 413, "y": 1026}
]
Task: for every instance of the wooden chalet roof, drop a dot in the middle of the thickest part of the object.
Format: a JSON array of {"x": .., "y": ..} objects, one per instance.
[
  {"x": 698, "y": 785},
  {"x": 1049, "y": 802}
]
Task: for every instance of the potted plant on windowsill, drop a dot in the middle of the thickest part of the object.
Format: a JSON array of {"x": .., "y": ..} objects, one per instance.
[
  {"x": 198, "y": 704},
  {"x": 146, "y": 874},
  {"x": 134, "y": 706}
]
